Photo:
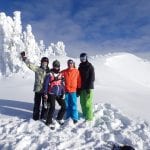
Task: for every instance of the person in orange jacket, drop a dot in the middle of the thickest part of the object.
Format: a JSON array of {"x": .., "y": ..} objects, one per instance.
[{"x": 72, "y": 83}]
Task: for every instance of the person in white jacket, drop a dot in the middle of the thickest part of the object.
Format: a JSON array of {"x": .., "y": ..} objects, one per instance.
[{"x": 40, "y": 73}]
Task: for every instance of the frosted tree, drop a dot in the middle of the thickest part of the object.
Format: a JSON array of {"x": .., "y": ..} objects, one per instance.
[
  {"x": 59, "y": 48},
  {"x": 13, "y": 40},
  {"x": 2, "y": 62},
  {"x": 11, "y": 43},
  {"x": 31, "y": 46},
  {"x": 42, "y": 46}
]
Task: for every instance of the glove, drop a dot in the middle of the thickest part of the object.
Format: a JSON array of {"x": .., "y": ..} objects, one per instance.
[
  {"x": 88, "y": 91},
  {"x": 23, "y": 55},
  {"x": 78, "y": 92},
  {"x": 45, "y": 96},
  {"x": 62, "y": 96}
]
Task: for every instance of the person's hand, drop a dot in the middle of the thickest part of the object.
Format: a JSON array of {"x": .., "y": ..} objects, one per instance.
[
  {"x": 62, "y": 96},
  {"x": 45, "y": 96},
  {"x": 23, "y": 55},
  {"x": 78, "y": 92},
  {"x": 88, "y": 91}
]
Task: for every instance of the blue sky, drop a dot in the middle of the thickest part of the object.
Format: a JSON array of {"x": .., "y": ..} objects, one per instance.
[{"x": 94, "y": 26}]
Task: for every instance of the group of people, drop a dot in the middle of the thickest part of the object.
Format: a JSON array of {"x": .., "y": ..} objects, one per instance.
[{"x": 64, "y": 86}]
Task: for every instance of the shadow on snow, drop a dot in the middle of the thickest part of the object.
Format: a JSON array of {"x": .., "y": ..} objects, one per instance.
[{"x": 15, "y": 108}]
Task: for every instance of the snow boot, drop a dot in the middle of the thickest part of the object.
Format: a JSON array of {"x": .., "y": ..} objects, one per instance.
[
  {"x": 125, "y": 147},
  {"x": 61, "y": 122}
]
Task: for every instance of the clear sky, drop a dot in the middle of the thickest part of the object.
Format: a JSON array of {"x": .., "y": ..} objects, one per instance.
[{"x": 95, "y": 26}]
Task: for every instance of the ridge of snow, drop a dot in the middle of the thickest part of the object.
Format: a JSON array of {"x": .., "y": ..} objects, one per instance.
[
  {"x": 126, "y": 66},
  {"x": 109, "y": 127}
]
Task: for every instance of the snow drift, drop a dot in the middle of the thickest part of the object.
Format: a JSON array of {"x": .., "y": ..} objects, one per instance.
[{"x": 18, "y": 131}]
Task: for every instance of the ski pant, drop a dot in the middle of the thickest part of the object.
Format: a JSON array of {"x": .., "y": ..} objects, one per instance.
[
  {"x": 50, "y": 112},
  {"x": 36, "y": 109},
  {"x": 87, "y": 104},
  {"x": 71, "y": 105}
]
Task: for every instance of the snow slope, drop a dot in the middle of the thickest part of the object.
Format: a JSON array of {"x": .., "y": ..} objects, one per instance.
[{"x": 121, "y": 108}]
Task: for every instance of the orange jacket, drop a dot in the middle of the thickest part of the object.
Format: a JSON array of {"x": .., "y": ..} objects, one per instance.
[{"x": 72, "y": 79}]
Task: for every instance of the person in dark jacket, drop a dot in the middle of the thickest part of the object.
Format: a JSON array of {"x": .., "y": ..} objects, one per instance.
[
  {"x": 54, "y": 91},
  {"x": 87, "y": 73},
  {"x": 40, "y": 73}
]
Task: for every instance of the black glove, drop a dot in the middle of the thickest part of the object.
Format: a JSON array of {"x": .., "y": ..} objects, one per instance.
[
  {"x": 88, "y": 91},
  {"x": 23, "y": 55},
  {"x": 78, "y": 92},
  {"x": 62, "y": 96}
]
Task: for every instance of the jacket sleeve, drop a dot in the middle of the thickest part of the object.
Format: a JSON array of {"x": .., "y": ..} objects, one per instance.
[
  {"x": 46, "y": 84},
  {"x": 79, "y": 80},
  {"x": 30, "y": 65},
  {"x": 92, "y": 74}
]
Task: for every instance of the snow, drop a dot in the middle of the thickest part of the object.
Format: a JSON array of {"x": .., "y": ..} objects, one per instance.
[
  {"x": 121, "y": 110},
  {"x": 121, "y": 97}
]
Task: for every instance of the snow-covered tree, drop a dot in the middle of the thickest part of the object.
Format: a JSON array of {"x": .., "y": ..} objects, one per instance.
[
  {"x": 13, "y": 40},
  {"x": 31, "y": 46}
]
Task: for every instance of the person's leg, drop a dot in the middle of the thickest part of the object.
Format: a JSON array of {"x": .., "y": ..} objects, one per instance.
[
  {"x": 62, "y": 110},
  {"x": 89, "y": 106},
  {"x": 74, "y": 107},
  {"x": 83, "y": 102},
  {"x": 50, "y": 113},
  {"x": 44, "y": 110},
  {"x": 36, "y": 108},
  {"x": 67, "y": 102}
]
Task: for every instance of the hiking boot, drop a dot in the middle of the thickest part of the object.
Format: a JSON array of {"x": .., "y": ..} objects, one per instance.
[
  {"x": 52, "y": 126},
  {"x": 61, "y": 122},
  {"x": 75, "y": 121}
]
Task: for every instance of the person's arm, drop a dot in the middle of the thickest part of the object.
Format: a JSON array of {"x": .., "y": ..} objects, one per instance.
[
  {"x": 91, "y": 79},
  {"x": 46, "y": 84},
  {"x": 27, "y": 62},
  {"x": 30, "y": 65},
  {"x": 92, "y": 74},
  {"x": 79, "y": 80}
]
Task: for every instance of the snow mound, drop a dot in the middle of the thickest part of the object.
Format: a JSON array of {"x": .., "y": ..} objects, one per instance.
[
  {"x": 130, "y": 66},
  {"x": 121, "y": 68},
  {"x": 109, "y": 126}
]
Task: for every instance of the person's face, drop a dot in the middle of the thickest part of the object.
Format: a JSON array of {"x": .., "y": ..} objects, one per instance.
[
  {"x": 83, "y": 59},
  {"x": 56, "y": 67},
  {"x": 70, "y": 64},
  {"x": 44, "y": 64}
]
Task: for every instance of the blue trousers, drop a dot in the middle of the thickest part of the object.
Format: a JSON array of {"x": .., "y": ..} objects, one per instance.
[{"x": 71, "y": 105}]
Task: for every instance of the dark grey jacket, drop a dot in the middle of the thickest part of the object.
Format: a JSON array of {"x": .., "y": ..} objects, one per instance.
[{"x": 87, "y": 75}]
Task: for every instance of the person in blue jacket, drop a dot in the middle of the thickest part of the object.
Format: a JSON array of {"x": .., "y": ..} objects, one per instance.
[{"x": 54, "y": 91}]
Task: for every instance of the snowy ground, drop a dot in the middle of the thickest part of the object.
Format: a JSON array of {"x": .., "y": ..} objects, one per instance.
[{"x": 121, "y": 108}]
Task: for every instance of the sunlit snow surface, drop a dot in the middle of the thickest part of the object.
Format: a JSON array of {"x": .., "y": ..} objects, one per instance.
[{"x": 121, "y": 109}]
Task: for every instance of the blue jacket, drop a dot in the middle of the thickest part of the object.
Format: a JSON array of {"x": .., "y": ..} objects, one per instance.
[{"x": 53, "y": 84}]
